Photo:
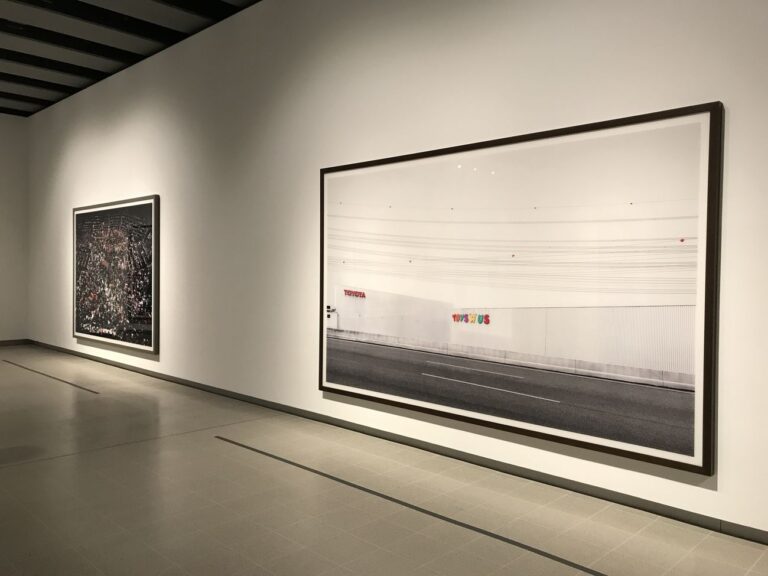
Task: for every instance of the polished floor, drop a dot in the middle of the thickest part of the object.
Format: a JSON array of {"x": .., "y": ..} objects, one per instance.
[{"x": 129, "y": 475}]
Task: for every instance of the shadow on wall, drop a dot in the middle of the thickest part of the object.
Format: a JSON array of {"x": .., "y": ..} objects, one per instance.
[
  {"x": 141, "y": 354},
  {"x": 681, "y": 476}
]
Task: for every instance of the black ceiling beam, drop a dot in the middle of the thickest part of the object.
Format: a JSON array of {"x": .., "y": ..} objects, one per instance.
[
  {"x": 67, "y": 41},
  {"x": 109, "y": 19},
  {"x": 36, "y": 83},
  {"x": 48, "y": 64},
  {"x": 4, "y": 110},
  {"x": 211, "y": 9},
  {"x": 25, "y": 98}
]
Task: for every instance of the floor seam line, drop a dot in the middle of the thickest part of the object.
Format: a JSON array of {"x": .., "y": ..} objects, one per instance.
[
  {"x": 417, "y": 508},
  {"x": 3, "y": 466},
  {"x": 56, "y": 378}
]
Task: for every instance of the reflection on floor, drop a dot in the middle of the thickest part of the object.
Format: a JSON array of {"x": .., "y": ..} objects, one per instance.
[{"x": 134, "y": 481}]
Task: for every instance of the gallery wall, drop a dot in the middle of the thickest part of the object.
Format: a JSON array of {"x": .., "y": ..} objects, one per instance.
[
  {"x": 232, "y": 127},
  {"x": 13, "y": 228}
]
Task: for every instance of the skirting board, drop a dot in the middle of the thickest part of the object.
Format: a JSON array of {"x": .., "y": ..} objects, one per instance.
[
  {"x": 708, "y": 522},
  {"x": 21, "y": 342}
]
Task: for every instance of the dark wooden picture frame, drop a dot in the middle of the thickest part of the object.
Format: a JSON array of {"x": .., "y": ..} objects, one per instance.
[
  {"x": 561, "y": 284},
  {"x": 110, "y": 287}
]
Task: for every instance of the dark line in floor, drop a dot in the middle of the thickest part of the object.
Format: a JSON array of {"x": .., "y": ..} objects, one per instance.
[
  {"x": 453, "y": 521},
  {"x": 126, "y": 443},
  {"x": 51, "y": 377}
]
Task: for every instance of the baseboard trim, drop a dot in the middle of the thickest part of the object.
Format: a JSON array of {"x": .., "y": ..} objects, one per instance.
[
  {"x": 708, "y": 522},
  {"x": 21, "y": 342}
]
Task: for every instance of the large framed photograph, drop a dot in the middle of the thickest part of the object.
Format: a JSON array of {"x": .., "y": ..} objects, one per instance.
[
  {"x": 561, "y": 284},
  {"x": 116, "y": 251}
]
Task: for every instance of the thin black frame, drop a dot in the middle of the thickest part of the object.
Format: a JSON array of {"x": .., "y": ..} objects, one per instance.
[
  {"x": 155, "y": 201},
  {"x": 716, "y": 111}
]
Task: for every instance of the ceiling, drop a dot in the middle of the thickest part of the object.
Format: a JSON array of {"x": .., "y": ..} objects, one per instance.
[{"x": 51, "y": 49}]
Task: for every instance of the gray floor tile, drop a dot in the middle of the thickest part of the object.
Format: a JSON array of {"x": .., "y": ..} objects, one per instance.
[
  {"x": 557, "y": 520},
  {"x": 579, "y": 505},
  {"x": 127, "y": 557},
  {"x": 309, "y": 531},
  {"x": 461, "y": 563},
  {"x": 278, "y": 515},
  {"x": 529, "y": 532},
  {"x": 484, "y": 517},
  {"x": 342, "y": 548},
  {"x": 348, "y": 518},
  {"x": 598, "y": 534},
  {"x": 382, "y": 533},
  {"x": 200, "y": 555},
  {"x": 264, "y": 546},
  {"x": 696, "y": 565},
  {"x": 674, "y": 532},
  {"x": 653, "y": 551},
  {"x": 734, "y": 551},
  {"x": 494, "y": 551},
  {"x": 139, "y": 485},
  {"x": 534, "y": 565},
  {"x": 65, "y": 562},
  {"x": 420, "y": 548},
  {"x": 382, "y": 563},
  {"x": 449, "y": 534},
  {"x": 618, "y": 564},
  {"x": 761, "y": 566},
  {"x": 575, "y": 550},
  {"x": 624, "y": 518},
  {"x": 301, "y": 562},
  {"x": 410, "y": 519},
  {"x": 255, "y": 571},
  {"x": 448, "y": 505}
]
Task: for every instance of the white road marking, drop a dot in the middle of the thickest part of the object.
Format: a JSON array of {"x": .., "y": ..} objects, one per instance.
[
  {"x": 474, "y": 369},
  {"x": 492, "y": 388}
]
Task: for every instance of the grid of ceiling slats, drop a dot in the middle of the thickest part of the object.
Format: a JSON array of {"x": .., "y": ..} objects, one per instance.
[{"x": 51, "y": 49}]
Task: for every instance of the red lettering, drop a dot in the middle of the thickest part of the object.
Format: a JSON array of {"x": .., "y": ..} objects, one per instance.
[{"x": 354, "y": 293}]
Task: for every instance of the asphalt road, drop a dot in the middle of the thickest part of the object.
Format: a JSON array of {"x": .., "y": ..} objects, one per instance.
[{"x": 638, "y": 414}]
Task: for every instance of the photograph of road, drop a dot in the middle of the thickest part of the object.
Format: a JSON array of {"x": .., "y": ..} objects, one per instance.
[
  {"x": 553, "y": 285},
  {"x": 651, "y": 416}
]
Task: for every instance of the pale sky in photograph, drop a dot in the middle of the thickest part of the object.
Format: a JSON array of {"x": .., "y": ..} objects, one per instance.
[{"x": 599, "y": 218}]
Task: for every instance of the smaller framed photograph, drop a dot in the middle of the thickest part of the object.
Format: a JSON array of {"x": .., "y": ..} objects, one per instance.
[{"x": 116, "y": 280}]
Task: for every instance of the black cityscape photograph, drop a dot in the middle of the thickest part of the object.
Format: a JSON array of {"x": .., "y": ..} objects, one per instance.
[{"x": 115, "y": 275}]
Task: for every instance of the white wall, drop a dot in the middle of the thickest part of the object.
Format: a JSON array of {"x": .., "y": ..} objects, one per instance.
[
  {"x": 390, "y": 314},
  {"x": 653, "y": 344},
  {"x": 232, "y": 127},
  {"x": 13, "y": 228}
]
